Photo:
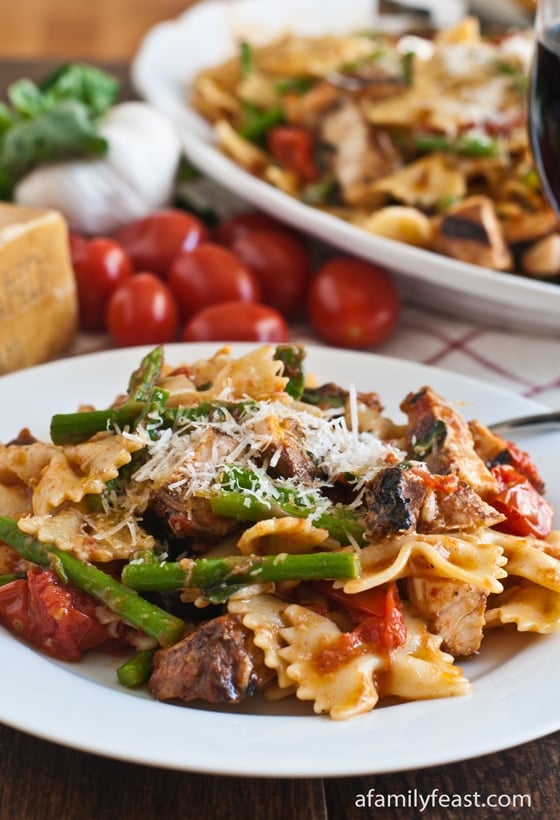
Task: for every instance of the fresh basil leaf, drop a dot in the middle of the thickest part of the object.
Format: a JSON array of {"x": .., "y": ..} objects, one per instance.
[
  {"x": 92, "y": 86},
  {"x": 26, "y": 98},
  {"x": 64, "y": 132},
  {"x": 6, "y": 118}
]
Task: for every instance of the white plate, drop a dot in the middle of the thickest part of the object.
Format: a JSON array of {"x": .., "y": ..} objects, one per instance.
[
  {"x": 81, "y": 706},
  {"x": 206, "y": 34}
]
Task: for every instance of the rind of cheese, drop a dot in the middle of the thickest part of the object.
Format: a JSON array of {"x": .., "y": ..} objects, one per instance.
[{"x": 38, "y": 300}]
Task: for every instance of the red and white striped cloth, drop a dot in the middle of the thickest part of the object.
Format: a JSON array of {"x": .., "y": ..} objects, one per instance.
[{"x": 528, "y": 365}]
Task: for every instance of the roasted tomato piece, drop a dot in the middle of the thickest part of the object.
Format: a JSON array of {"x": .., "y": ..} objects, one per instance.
[
  {"x": 526, "y": 511},
  {"x": 55, "y": 618}
]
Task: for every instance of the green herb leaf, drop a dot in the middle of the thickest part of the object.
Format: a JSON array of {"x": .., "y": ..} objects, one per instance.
[
  {"x": 92, "y": 86},
  {"x": 423, "y": 447},
  {"x": 26, "y": 98},
  {"x": 246, "y": 59},
  {"x": 256, "y": 121},
  {"x": 61, "y": 133}
]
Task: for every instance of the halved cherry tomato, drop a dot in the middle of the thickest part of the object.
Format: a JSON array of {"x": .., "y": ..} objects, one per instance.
[
  {"x": 523, "y": 463},
  {"x": 236, "y": 322},
  {"x": 100, "y": 266},
  {"x": 294, "y": 148},
  {"x": 210, "y": 274},
  {"x": 143, "y": 311},
  {"x": 153, "y": 241},
  {"x": 379, "y": 610},
  {"x": 247, "y": 222},
  {"x": 526, "y": 511},
  {"x": 282, "y": 266},
  {"x": 56, "y": 618},
  {"x": 353, "y": 303}
]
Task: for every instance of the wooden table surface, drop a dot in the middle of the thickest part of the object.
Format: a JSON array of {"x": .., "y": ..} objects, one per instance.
[{"x": 40, "y": 780}]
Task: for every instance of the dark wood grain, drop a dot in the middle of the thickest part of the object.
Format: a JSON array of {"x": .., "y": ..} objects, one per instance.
[
  {"x": 43, "y": 781},
  {"x": 40, "y": 780}
]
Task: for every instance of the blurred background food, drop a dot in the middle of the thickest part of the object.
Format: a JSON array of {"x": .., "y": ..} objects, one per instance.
[
  {"x": 112, "y": 30},
  {"x": 103, "y": 295}
]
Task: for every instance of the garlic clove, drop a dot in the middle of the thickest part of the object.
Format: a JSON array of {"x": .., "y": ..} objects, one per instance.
[{"x": 100, "y": 195}]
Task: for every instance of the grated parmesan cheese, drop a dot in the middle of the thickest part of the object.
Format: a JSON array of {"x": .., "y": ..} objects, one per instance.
[{"x": 192, "y": 461}]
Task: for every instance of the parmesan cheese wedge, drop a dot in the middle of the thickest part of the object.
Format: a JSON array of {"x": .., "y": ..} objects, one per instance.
[{"x": 38, "y": 300}]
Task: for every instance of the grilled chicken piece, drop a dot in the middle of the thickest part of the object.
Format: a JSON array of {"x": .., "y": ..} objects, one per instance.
[
  {"x": 306, "y": 110},
  {"x": 360, "y": 155},
  {"x": 526, "y": 227},
  {"x": 446, "y": 440},
  {"x": 285, "y": 454},
  {"x": 542, "y": 258},
  {"x": 186, "y": 518},
  {"x": 462, "y": 509},
  {"x": 452, "y": 609},
  {"x": 472, "y": 232},
  {"x": 218, "y": 663},
  {"x": 393, "y": 500},
  {"x": 400, "y": 501}
]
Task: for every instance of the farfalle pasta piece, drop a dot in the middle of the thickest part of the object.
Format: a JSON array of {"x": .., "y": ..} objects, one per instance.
[
  {"x": 25, "y": 462},
  {"x": 289, "y": 534},
  {"x": 424, "y": 182},
  {"x": 419, "y": 669},
  {"x": 82, "y": 469},
  {"x": 530, "y": 607},
  {"x": 339, "y": 683},
  {"x": 264, "y": 615},
  {"x": 473, "y": 558},
  {"x": 531, "y": 558},
  {"x": 89, "y": 536},
  {"x": 15, "y": 500},
  {"x": 256, "y": 374}
]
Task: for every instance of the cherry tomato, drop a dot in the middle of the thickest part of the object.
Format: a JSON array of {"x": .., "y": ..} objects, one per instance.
[
  {"x": 247, "y": 222},
  {"x": 76, "y": 242},
  {"x": 56, "y": 618},
  {"x": 380, "y": 622},
  {"x": 294, "y": 148},
  {"x": 352, "y": 303},
  {"x": 281, "y": 264},
  {"x": 236, "y": 322},
  {"x": 523, "y": 462},
  {"x": 100, "y": 266},
  {"x": 153, "y": 241},
  {"x": 142, "y": 311},
  {"x": 210, "y": 274},
  {"x": 526, "y": 511}
]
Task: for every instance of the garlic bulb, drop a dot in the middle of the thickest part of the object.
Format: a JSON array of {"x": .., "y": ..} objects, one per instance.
[{"x": 98, "y": 196}]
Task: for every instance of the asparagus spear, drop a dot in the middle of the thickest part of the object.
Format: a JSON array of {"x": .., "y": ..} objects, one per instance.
[
  {"x": 122, "y": 600},
  {"x": 143, "y": 397},
  {"x": 242, "y": 497},
  {"x": 292, "y": 357},
  {"x": 136, "y": 670},
  {"x": 71, "y": 428},
  {"x": 143, "y": 380},
  {"x": 234, "y": 571}
]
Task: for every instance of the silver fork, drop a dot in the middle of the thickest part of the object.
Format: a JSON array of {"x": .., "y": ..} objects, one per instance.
[{"x": 536, "y": 423}]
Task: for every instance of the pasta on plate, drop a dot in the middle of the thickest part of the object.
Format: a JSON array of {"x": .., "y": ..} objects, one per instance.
[
  {"x": 234, "y": 528},
  {"x": 416, "y": 137}
]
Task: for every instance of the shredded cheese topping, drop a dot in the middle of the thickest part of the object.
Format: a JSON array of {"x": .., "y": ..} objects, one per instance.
[{"x": 192, "y": 460}]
